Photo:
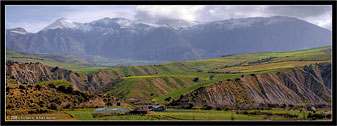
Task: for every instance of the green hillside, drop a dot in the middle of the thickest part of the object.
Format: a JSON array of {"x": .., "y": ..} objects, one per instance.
[
  {"x": 172, "y": 79},
  {"x": 66, "y": 62},
  {"x": 223, "y": 68}
]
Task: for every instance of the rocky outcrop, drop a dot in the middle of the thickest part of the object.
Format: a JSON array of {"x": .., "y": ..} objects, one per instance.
[
  {"x": 306, "y": 85},
  {"x": 31, "y": 73}
]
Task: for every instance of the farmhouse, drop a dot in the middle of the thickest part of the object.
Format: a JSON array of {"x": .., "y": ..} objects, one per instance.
[
  {"x": 156, "y": 108},
  {"x": 140, "y": 110}
]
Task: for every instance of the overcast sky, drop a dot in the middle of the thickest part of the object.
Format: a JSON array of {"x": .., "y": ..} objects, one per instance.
[{"x": 35, "y": 18}]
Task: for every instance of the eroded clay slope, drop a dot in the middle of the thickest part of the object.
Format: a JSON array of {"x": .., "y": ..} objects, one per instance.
[
  {"x": 305, "y": 85},
  {"x": 31, "y": 73}
]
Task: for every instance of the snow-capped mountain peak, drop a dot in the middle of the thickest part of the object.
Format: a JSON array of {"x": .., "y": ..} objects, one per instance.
[
  {"x": 61, "y": 23},
  {"x": 124, "y": 23},
  {"x": 105, "y": 20}
]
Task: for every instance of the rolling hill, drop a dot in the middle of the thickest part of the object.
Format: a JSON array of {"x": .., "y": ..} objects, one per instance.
[
  {"x": 174, "y": 82},
  {"x": 67, "y": 61},
  {"x": 227, "y": 67}
]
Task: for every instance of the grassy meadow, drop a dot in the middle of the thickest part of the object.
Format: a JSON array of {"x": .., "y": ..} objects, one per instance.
[{"x": 201, "y": 115}]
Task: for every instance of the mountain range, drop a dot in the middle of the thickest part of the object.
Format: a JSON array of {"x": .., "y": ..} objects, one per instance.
[{"x": 168, "y": 40}]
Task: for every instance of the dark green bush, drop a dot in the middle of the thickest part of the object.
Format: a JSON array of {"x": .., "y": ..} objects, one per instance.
[{"x": 196, "y": 79}]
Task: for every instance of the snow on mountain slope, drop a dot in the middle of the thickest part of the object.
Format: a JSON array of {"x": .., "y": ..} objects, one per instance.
[
  {"x": 173, "y": 40},
  {"x": 113, "y": 24},
  {"x": 18, "y": 30},
  {"x": 61, "y": 23}
]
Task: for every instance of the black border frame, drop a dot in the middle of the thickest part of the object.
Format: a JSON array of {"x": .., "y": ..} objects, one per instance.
[{"x": 3, "y": 93}]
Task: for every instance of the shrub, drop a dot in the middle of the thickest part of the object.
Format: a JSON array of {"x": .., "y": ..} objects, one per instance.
[
  {"x": 62, "y": 88},
  {"x": 69, "y": 106},
  {"x": 196, "y": 79},
  {"x": 77, "y": 74},
  {"x": 197, "y": 107},
  {"x": 219, "y": 108},
  {"x": 33, "y": 111},
  {"x": 70, "y": 89},
  {"x": 211, "y": 77},
  {"x": 22, "y": 87},
  {"x": 42, "y": 110},
  {"x": 54, "y": 69},
  {"x": 232, "y": 116},
  {"x": 51, "y": 86},
  {"x": 190, "y": 106},
  {"x": 41, "y": 103},
  {"x": 317, "y": 116},
  {"x": 273, "y": 105},
  {"x": 38, "y": 87},
  {"x": 309, "y": 115},
  {"x": 283, "y": 106},
  {"x": 54, "y": 106},
  {"x": 206, "y": 107},
  {"x": 225, "y": 108},
  {"x": 168, "y": 99}
]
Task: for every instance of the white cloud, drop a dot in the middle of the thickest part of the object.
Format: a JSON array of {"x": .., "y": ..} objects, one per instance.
[
  {"x": 184, "y": 12},
  {"x": 88, "y": 13},
  {"x": 211, "y": 11},
  {"x": 28, "y": 26},
  {"x": 324, "y": 20}
]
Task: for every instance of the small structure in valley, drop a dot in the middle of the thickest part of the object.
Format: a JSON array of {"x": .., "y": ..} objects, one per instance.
[
  {"x": 310, "y": 108},
  {"x": 140, "y": 110},
  {"x": 107, "y": 111},
  {"x": 157, "y": 108}
]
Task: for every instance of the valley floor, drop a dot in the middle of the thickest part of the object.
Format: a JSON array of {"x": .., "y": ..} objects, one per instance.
[{"x": 188, "y": 115}]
